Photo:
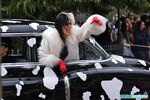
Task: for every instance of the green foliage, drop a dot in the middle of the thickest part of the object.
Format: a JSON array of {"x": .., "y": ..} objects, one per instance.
[
  {"x": 35, "y": 9},
  {"x": 48, "y": 9},
  {"x": 134, "y": 5}
]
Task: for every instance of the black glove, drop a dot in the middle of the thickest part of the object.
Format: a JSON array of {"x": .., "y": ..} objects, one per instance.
[{"x": 64, "y": 52}]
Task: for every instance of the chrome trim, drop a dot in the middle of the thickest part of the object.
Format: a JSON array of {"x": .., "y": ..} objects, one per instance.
[
  {"x": 26, "y": 20},
  {"x": 20, "y": 34},
  {"x": 22, "y": 65},
  {"x": 67, "y": 87},
  {"x": 71, "y": 62}
]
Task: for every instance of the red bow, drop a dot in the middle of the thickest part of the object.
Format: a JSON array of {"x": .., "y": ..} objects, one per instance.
[{"x": 96, "y": 20}]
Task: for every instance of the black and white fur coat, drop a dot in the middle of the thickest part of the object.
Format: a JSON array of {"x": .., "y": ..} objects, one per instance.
[{"x": 51, "y": 44}]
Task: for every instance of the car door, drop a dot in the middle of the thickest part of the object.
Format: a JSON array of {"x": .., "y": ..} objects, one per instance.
[
  {"x": 124, "y": 83},
  {"x": 19, "y": 81},
  {"x": 83, "y": 76},
  {"x": 115, "y": 78},
  {"x": 84, "y": 83}
]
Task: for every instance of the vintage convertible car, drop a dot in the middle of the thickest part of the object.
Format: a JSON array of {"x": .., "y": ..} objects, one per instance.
[{"x": 95, "y": 76}]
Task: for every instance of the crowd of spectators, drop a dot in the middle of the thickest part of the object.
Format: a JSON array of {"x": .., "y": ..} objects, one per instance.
[{"x": 133, "y": 32}]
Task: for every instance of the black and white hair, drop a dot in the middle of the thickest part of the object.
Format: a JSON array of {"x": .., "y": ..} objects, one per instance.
[{"x": 63, "y": 19}]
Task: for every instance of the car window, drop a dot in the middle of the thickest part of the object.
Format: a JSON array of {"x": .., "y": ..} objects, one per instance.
[
  {"x": 24, "y": 49},
  {"x": 19, "y": 50},
  {"x": 87, "y": 53},
  {"x": 91, "y": 50}
]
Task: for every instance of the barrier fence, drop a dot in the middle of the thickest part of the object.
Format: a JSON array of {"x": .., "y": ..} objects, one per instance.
[
  {"x": 118, "y": 48},
  {"x": 114, "y": 48}
]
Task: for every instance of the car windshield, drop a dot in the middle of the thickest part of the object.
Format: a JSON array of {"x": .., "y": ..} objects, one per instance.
[{"x": 91, "y": 50}]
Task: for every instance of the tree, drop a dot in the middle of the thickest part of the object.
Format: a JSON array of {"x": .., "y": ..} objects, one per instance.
[
  {"x": 136, "y": 6},
  {"x": 48, "y": 9},
  {"x": 34, "y": 9}
]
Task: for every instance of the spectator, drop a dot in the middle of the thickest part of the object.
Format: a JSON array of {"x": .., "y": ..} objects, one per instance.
[
  {"x": 105, "y": 38},
  {"x": 131, "y": 16},
  {"x": 148, "y": 28},
  {"x": 127, "y": 39},
  {"x": 141, "y": 41},
  {"x": 114, "y": 34}
]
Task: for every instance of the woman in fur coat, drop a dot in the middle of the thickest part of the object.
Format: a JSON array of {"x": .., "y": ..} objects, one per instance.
[{"x": 61, "y": 43}]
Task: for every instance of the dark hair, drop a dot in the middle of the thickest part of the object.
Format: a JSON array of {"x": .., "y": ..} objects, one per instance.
[
  {"x": 5, "y": 42},
  {"x": 139, "y": 24},
  {"x": 144, "y": 17},
  {"x": 148, "y": 23},
  {"x": 108, "y": 27},
  {"x": 62, "y": 19}
]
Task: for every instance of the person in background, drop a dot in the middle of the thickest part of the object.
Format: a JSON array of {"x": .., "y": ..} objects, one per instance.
[
  {"x": 131, "y": 16},
  {"x": 145, "y": 19},
  {"x": 127, "y": 39},
  {"x": 4, "y": 48},
  {"x": 148, "y": 29},
  {"x": 114, "y": 34},
  {"x": 61, "y": 43},
  {"x": 141, "y": 41},
  {"x": 107, "y": 37}
]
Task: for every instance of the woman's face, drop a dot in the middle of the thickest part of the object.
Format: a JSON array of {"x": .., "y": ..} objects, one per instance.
[
  {"x": 3, "y": 50},
  {"x": 142, "y": 26},
  {"x": 67, "y": 29}
]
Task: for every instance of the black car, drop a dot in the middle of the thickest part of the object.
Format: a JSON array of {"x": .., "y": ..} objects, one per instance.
[{"x": 95, "y": 76}]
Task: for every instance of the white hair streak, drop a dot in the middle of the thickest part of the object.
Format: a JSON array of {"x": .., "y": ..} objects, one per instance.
[
  {"x": 72, "y": 18},
  {"x": 70, "y": 15}
]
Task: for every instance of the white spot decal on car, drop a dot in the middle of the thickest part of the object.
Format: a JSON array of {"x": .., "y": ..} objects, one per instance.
[
  {"x": 50, "y": 79},
  {"x": 36, "y": 70},
  {"x": 21, "y": 82},
  {"x": 82, "y": 76},
  {"x": 142, "y": 62},
  {"x": 102, "y": 97},
  {"x": 92, "y": 41},
  {"x": 112, "y": 88},
  {"x": 3, "y": 71},
  {"x": 19, "y": 88},
  {"x": 31, "y": 42},
  {"x": 119, "y": 58},
  {"x": 98, "y": 65},
  {"x": 34, "y": 25},
  {"x": 114, "y": 61},
  {"x": 134, "y": 90},
  {"x": 41, "y": 95},
  {"x": 86, "y": 95},
  {"x": 4, "y": 28}
]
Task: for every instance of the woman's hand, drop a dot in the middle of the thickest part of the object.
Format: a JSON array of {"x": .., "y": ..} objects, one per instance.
[{"x": 62, "y": 66}]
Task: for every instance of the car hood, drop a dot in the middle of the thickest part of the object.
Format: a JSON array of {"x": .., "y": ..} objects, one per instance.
[{"x": 121, "y": 61}]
